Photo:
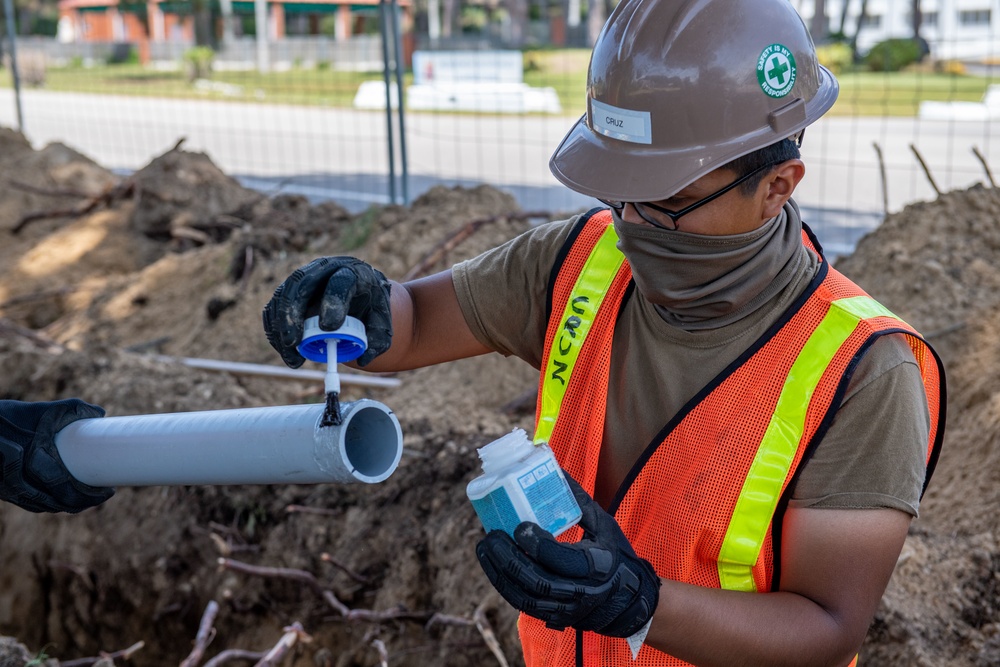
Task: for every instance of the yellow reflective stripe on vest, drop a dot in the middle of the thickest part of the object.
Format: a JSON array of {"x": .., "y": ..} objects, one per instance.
[
  {"x": 578, "y": 316},
  {"x": 864, "y": 307},
  {"x": 762, "y": 488}
]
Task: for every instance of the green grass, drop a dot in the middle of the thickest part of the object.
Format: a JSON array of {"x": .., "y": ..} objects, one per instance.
[
  {"x": 862, "y": 93},
  {"x": 900, "y": 94},
  {"x": 312, "y": 87}
]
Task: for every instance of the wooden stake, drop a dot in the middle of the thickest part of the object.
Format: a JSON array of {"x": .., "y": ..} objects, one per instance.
[
  {"x": 986, "y": 166},
  {"x": 885, "y": 183},
  {"x": 927, "y": 171}
]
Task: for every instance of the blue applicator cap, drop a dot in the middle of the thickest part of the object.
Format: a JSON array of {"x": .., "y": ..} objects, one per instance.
[{"x": 351, "y": 340}]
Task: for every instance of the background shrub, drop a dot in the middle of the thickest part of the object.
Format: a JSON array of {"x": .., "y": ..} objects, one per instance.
[{"x": 893, "y": 55}]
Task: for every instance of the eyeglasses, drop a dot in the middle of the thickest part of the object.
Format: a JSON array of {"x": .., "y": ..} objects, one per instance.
[{"x": 644, "y": 208}]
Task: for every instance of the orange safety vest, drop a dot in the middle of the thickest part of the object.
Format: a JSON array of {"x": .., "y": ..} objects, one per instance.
[{"x": 705, "y": 500}]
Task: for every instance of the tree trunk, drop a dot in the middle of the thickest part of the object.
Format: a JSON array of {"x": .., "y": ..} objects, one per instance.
[
  {"x": 596, "y": 16},
  {"x": 857, "y": 29},
  {"x": 818, "y": 25},
  {"x": 843, "y": 17},
  {"x": 518, "y": 20},
  {"x": 917, "y": 18},
  {"x": 203, "y": 33},
  {"x": 450, "y": 8}
]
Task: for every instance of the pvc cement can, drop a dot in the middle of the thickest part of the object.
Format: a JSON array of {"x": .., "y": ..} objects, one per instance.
[{"x": 522, "y": 482}]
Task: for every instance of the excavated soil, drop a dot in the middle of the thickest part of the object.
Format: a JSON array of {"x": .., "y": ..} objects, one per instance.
[{"x": 179, "y": 259}]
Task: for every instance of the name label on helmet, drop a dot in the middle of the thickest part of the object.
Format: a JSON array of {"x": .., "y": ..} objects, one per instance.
[{"x": 622, "y": 124}]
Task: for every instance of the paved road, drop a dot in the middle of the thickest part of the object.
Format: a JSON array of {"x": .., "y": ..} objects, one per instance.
[{"x": 341, "y": 154}]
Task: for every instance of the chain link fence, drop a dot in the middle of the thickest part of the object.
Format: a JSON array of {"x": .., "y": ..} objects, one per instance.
[{"x": 309, "y": 117}]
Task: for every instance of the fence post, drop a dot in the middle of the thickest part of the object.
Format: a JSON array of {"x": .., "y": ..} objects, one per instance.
[
  {"x": 261, "y": 28},
  {"x": 383, "y": 26},
  {"x": 404, "y": 172},
  {"x": 8, "y": 8}
]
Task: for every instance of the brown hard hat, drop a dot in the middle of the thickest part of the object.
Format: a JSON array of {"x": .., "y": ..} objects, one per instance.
[{"x": 677, "y": 89}]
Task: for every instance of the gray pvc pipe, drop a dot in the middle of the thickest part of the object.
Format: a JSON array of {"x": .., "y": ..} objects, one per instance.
[{"x": 276, "y": 445}]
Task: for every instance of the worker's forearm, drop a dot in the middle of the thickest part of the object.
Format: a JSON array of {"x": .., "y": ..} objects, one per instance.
[
  {"x": 394, "y": 359},
  {"x": 709, "y": 627},
  {"x": 428, "y": 326}
]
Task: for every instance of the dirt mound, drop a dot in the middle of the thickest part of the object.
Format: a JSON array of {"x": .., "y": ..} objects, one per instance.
[
  {"x": 937, "y": 265},
  {"x": 180, "y": 259}
]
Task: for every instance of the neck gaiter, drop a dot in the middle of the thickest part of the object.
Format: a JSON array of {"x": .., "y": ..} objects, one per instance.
[{"x": 700, "y": 282}]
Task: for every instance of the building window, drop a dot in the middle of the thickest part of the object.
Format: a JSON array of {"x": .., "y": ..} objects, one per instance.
[
  {"x": 873, "y": 21},
  {"x": 929, "y": 19},
  {"x": 972, "y": 17}
]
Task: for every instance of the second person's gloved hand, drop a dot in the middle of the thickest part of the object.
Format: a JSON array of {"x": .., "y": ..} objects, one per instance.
[
  {"x": 597, "y": 584},
  {"x": 333, "y": 288},
  {"x": 32, "y": 474}
]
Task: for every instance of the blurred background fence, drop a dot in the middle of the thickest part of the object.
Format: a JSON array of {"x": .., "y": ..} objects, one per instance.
[{"x": 290, "y": 96}]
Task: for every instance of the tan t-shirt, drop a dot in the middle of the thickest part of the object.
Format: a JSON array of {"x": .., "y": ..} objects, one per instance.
[{"x": 872, "y": 456}]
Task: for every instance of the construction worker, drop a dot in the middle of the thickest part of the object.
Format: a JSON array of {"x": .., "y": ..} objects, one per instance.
[
  {"x": 32, "y": 474},
  {"x": 748, "y": 432}
]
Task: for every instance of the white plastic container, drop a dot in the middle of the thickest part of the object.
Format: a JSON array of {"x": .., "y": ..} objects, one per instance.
[{"x": 522, "y": 482}]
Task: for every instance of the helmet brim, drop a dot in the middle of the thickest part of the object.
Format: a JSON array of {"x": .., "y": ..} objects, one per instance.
[{"x": 606, "y": 168}]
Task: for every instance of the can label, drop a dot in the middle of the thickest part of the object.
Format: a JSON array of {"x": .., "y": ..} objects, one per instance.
[{"x": 497, "y": 512}]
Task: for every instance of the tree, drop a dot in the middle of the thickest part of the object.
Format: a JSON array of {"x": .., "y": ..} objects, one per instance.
[
  {"x": 518, "y": 10},
  {"x": 596, "y": 16},
  {"x": 843, "y": 18},
  {"x": 449, "y": 17},
  {"x": 818, "y": 25},
  {"x": 917, "y": 20},
  {"x": 857, "y": 30}
]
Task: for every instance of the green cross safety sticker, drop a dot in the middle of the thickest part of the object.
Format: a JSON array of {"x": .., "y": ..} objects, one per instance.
[{"x": 776, "y": 70}]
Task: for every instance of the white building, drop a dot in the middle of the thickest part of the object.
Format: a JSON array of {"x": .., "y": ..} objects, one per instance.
[{"x": 954, "y": 29}]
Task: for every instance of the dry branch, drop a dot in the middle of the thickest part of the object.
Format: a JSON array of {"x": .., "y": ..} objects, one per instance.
[
  {"x": 300, "y": 576},
  {"x": 483, "y": 625},
  {"x": 927, "y": 171},
  {"x": 944, "y": 331},
  {"x": 232, "y": 655},
  {"x": 986, "y": 166},
  {"x": 206, "y": 633},
  {"x": 78, "y": 570},
  {"x": 38, "y": 296},
  {"x": 327, "y": 558},
  {"x": 107, "y": 197},
  {"x": 383, "y": 653},
  {"x": 523, "y": 403},
  {"x": 370, "y": 616},
  {"x": 345, "y": 612},
  {"x": 124, "y": 654},
  {"x": 48, "y": 192},
  {"x": 8, "y": 326},
  {"x": 885, "y": 182},
  {"x": 451, "y": 241},
  {"x": 293, "y": 635}
]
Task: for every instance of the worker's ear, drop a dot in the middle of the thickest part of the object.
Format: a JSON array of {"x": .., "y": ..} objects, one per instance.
[{"x": 778, "y": 186}]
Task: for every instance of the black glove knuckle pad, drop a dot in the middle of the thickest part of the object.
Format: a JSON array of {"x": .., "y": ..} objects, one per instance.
[
  {"x": 598, "y": 584},
  {"x": 333, "y": 288}
]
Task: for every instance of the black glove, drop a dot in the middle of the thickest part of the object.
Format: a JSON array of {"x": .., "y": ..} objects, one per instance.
[
  {"x": 598, "y": 584},
  {"x": 32, "y": 475},
  {"x": 333, "y": 288}
]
